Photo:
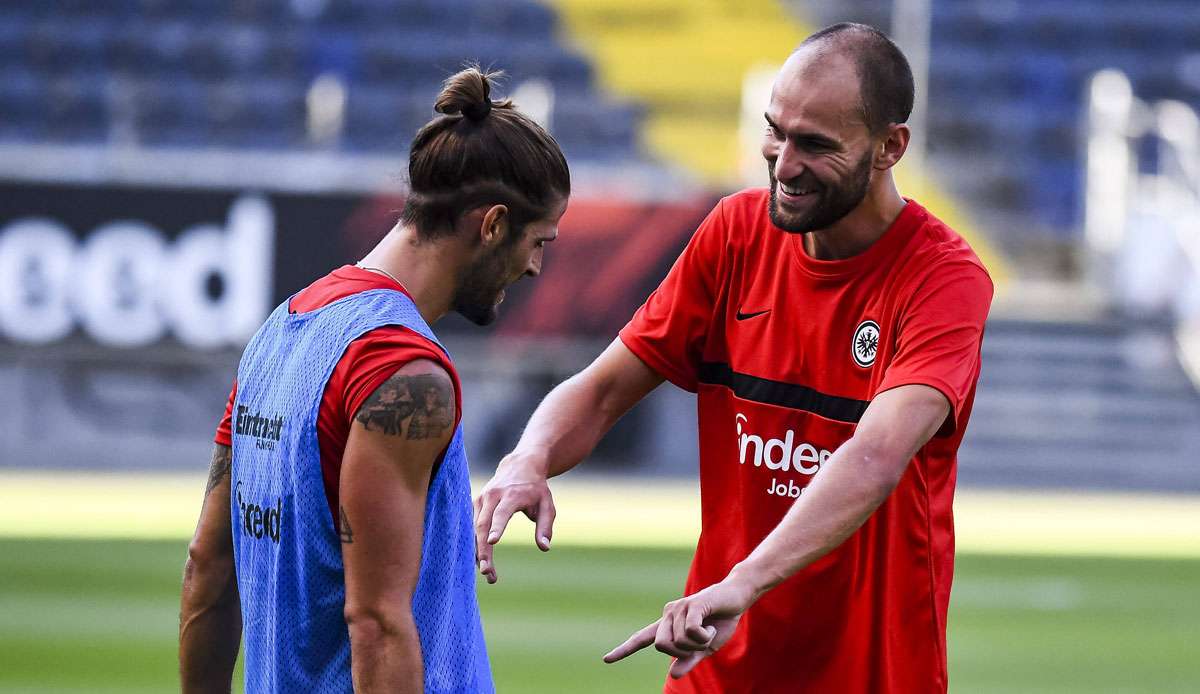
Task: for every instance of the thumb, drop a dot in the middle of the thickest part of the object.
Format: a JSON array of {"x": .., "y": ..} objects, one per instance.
[{"x": 683, "y": 666}]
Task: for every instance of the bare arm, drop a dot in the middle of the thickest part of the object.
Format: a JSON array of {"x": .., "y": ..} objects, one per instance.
[
  {"x": 210, "y": 619},
  {"x": 858, "y": 478},
  {"x": 563, "y": 430},
  {"x": 395, "y": 440}
]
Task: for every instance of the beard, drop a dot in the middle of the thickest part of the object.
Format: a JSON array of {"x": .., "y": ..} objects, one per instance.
[
  {"x": 832, "y": 204},
  {"x": 480, "y": 287}
]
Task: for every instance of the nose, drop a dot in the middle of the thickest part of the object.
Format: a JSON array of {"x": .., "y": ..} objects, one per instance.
[
  {"x": 535, "y": 263},
  {"x": 789, "y": 163}
]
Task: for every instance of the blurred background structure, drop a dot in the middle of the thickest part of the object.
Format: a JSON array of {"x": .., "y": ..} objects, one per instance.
[{"x": 172, "y": 169}]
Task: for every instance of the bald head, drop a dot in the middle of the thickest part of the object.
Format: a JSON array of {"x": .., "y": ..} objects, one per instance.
[{"x": 885, "y": 81}]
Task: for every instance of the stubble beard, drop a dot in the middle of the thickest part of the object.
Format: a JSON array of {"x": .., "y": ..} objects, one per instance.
[
  {"x": 480, "y": 287},
  {"x": 833, "y": 203}
]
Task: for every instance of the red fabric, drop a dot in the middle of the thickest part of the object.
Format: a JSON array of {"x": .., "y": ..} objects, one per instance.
[
  {"x": 871, "y": 615},
  {"x": 367, "y": 362}
]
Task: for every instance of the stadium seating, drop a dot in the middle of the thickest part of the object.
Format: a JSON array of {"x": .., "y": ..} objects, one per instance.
[
  {"x": 185, "y": 73},
  {"x": 1098, "y": 404},
  {"x": 1007, "y": 82}
]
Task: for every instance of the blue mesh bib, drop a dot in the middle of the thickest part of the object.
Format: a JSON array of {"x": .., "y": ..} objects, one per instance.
[{"x": 287, "y": 554}]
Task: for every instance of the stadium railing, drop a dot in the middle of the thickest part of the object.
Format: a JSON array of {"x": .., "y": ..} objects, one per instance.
[{"x": 1142, "y": 206}]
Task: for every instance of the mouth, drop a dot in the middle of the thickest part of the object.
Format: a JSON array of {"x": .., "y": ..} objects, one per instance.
[{"x": 794, "y": 194}]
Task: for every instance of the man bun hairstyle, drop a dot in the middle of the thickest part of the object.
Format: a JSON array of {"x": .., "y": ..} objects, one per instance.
[
  {"x": 885, "y": 79},
  {"x": 481, "y": 152},
  {"x": 468, "y": 93}
]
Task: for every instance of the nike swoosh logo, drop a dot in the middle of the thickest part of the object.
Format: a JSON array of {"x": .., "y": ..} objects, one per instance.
[{"x": 744, "y": 316}]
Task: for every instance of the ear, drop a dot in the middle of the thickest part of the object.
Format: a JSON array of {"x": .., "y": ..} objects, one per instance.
[
  {"x": 493, "y": 228},
  {"x": 892, "y": 146}
]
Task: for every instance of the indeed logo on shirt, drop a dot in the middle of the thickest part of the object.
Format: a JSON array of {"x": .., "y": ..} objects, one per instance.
[
  {"x": 262, "y": 427},
  {"x": 779, "y": 454},
  {"x": 260, "y": 521}
]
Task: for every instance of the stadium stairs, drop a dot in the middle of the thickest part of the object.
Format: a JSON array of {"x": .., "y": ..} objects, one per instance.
[
  {"x": 685, "y": 63},
  {"x": 1098, "y": 404}
]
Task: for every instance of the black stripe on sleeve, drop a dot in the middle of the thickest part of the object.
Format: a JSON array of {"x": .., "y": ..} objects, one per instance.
[{"x": 783, "y": 394}]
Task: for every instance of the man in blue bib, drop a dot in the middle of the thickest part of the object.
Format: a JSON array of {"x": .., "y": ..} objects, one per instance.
[{"x": 336, "y": 533}]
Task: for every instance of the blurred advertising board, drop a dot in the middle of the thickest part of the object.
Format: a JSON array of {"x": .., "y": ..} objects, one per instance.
[{"x": 123, "y": 309}]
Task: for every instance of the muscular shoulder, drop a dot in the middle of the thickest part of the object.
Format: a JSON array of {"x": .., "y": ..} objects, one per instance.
[
  {"x": 416, "y": 402},
  {"x": 372, "y": 359},
  {"x": 942, "y": 248},
  {"x": 738, "y": 224},
  {"x": 745, "y": 213}
]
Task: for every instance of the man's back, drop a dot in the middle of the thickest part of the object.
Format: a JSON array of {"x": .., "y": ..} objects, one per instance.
[
  {"x": 289, "y": 556},
  {"x": 366, "y": 470}
]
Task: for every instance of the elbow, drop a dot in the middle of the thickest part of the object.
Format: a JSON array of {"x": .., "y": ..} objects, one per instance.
[
  {"x": 880, "y": 468},
  {"x": 603, "y": 393},
  {"x": 208, "y": 557},
  {"x": 208, "y": 573},
  {"x": 371, "y": 626}
]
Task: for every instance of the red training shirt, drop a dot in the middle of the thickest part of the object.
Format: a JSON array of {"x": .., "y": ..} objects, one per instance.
[
  {"x": 784, "y": 352},
  {"x": 367, "y": 363}
]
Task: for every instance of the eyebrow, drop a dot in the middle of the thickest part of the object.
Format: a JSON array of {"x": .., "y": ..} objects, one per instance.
[{"x": 815, "y": 138}]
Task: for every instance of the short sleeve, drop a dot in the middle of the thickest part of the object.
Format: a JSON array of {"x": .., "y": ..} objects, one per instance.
[
  {"x": 940, "y": 336},
  {"x": 224, "y": 436},
  {"x": 668, "y": 331},
  {"x": 374, "y": 357}
]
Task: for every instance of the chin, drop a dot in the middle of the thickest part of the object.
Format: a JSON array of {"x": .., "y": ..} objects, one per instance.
[
  {"x": 791, "y": 223},
  {"x": 479, "y": 316}
]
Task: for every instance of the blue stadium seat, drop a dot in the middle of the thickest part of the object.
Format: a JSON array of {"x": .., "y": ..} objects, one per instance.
[
  {"x": 22, "y": 105},
  {"x": 76, "y": 110},
  {"x": 592, "y": 130},
  {"x": 236, "y": 73},
  {"x": 1015, "y": 74}
]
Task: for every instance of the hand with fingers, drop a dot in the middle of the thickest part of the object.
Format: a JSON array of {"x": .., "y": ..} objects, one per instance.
[
  {"x": 691, "y": 628},
  {"x": 515, "y": 487}
]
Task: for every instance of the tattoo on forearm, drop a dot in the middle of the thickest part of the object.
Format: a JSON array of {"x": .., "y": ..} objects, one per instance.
[
  {"x": 222, "y": 458},
  {"x": 345, "y": 532},
  {"x": 425, "y": 402}
]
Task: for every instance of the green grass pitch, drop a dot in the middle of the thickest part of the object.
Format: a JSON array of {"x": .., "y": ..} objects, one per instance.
[{"x": 101, "y": 616}]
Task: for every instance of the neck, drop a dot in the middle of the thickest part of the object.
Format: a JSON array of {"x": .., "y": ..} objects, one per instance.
[
  {"x": 427, "y": 270},
  {"x": 865, "y": 225}
]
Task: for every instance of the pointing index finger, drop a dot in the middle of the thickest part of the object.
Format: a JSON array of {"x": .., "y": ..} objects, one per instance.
[{"x": 640, "y": 639}]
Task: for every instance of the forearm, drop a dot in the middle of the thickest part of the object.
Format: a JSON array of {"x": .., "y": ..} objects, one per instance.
[
  {"x": 567, "y": 425},
  {"x": 385, "y": 655},
  {"x": 838, "y": 501},
  {"x": 210, "y": 629}
]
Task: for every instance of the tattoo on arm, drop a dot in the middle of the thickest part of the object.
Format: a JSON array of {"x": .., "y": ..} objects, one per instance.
[
  {"x": 345, "y": 532},
  {"x": 424, "y": 401},
  {"x": 222, "y": 459}
]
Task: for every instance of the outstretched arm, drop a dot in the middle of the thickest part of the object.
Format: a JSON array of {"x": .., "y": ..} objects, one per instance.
[
  {"x": 858, "y": 478},
  {"x": 394, "y": 442},
  {"x": 210, "y": 619},
  {"x": 563, "y": 430}
]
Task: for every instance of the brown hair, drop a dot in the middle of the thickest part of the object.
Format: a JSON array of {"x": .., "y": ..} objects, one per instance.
[
  {"x": 884, "y": 77},
  {"x": 481, "y": 152}
]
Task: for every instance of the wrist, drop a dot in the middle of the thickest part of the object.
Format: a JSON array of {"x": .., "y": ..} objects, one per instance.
[
  {"x": 525, "y": 464},
  {"x": 749, "y": 580}
]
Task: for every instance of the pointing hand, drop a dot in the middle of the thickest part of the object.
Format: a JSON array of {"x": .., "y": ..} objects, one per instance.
[
  {"x": 691, "y": 628},
  {"x": 515, "y": 487}
]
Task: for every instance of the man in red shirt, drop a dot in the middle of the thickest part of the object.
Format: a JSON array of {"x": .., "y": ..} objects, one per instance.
[{"x": 828, "y": 326}]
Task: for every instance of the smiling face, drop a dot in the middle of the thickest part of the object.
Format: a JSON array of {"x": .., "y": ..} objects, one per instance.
[
  {"x": 818, "y": 149},
  {"x": 518, "y": 254}
]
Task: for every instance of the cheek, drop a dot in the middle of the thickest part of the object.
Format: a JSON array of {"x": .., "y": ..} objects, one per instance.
[
  {"x": 770, "y": 148},
  {"x": 831, "y": 171}
]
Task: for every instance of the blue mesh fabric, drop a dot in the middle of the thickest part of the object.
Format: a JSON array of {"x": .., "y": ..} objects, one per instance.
[{"x": 287, "y": 554}]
